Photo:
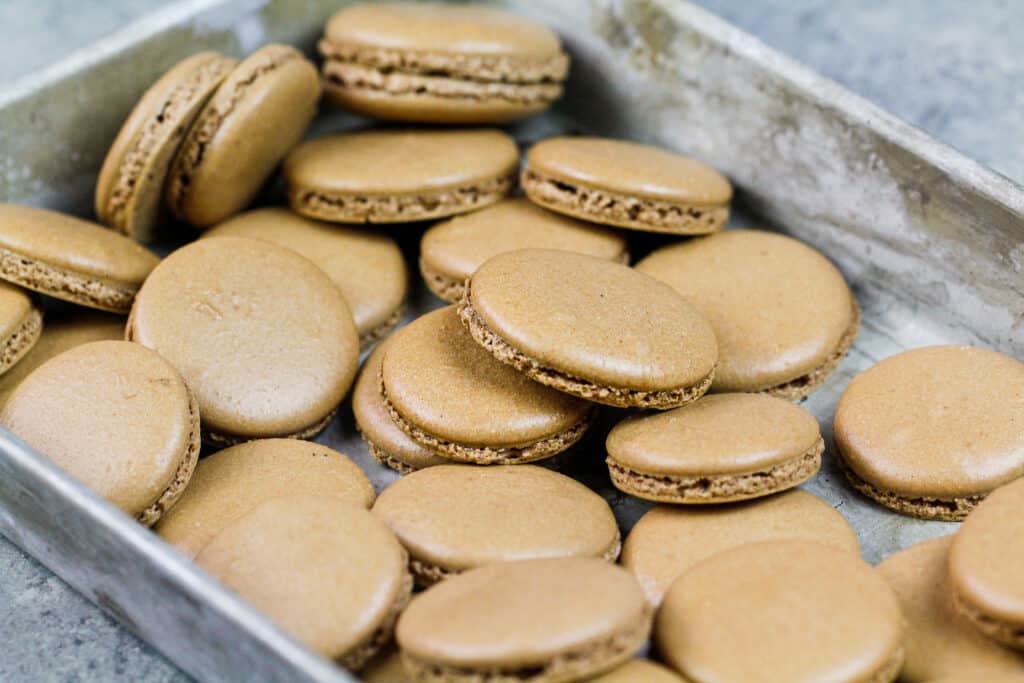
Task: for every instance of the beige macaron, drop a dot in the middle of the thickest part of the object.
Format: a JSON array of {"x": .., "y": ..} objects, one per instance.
[
  {"x": 63, "y": 331},
  {"x": 720, "y": 449},
  {"x": 940, "y": 641},
  {"x": 591, "y": 328},
  {"x": 452, "y": 518},
  {"x": 453, "y": 397},
  {"x": 130, "y": 187},
  {"x": 668, "y": 540},
  {"x": 930, "y": 432},
  {"x": 117, "y": 417},
  {"x": 782, "y": 611},
  {"x": 451, "y": 251},
  {"x": 534, "y": 621},
  {"x": 387, "y": 443},
  {"x": 639, "y": 670},
  {"x": 232, "y": 482},
  {"x": 367, "y": 267},
  {"x": 399, "y": 176},
  {"x": 626, "y": 184},
  {"x": 260, "y": 111},
  {"x": 21, "y": 323},
  {"x": 263, "y": 337},
  {"x": 441, "y": 63},
  {"x": 71, "y": 259},
  {"x": 986, "y": 565},
  {"x": 783, "y": 314},
  {"x": 324, "y": 569}
]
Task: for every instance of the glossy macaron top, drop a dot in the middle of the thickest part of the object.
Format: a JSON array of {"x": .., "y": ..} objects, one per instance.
[
  {"x": 444, "y": 383},
  {"x": 324, "y": 569},
  {"x": 781, "y": 611},
  {"x": 590, "y": 318},
  {"x": 117, "y": 417},
  {"x": 264, "y": 338},
  {"x": 367, "y": 267},
  {"x": 457, "y": 517},
  {"x": 387, "y": 162},
  {"x": 629, "y": 168},
  {"x": 986, "y": 559},
  {"x": 669, "y": 539},
  {"x": 938, "y": 421},
  {"x": 778, "y": 307},
  {"x": 232, "y": 482},
  {"x": 719, "y": 434}
]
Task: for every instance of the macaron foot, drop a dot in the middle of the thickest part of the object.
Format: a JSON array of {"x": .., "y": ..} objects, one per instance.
[
  {"x": 1010, "y": 635},
  {"x": 443, "y": 287},
  {"x": 387, "y": 459},
  {"x": 371, "y": 337},
  {"x": 222, "y": 440},
  {"x": 154, "y": 512},
  {"x": 65, "y": 284},
  {"x": 358, "y": 657},
  {"x": 21, "y": 340},
  {"x": 922, "y": 507}
]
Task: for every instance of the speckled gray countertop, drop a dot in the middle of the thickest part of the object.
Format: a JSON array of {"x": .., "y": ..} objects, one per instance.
[{"x": 952, "y": 68}]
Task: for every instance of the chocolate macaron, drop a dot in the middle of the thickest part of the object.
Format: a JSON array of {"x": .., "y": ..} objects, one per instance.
[
  {"x": 21, "y": 323},
  {"x": 615, "y": 336}
]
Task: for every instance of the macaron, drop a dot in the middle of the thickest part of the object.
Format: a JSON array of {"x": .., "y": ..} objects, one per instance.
[
  {"x": 21, "y": 323},
  {"x": 615, "y": 336},
  {"x": 626, "y": 184},
  {"x": 453, "y": 518},
  {"x": 387, "y": 443},
  {"x": 930, "y": 432},
  {"x": 561, "y": 619},
  {"x": 986, "y": 565},
  {"x": 259, "y": 112},
  {"x": 441, "y": 63},
  {"x": 230, "y": 483},
  {"x": 783, "y": 314},
  {"x": 781, "y": 611},
  {"x": 639, "y": 670},
  {"x": 399, "y": 176},
  {"x": 71, "y": 259},
  {"x": 723, "y": 448},
  {"x": 117, "y": 417},
  {"x": 263, "y": 337},
  {"x": 668, "y": 540},
  {"x": 129, "y": 191},
  {"x": 367, "y": 267},
  {"x": 450, "y": 395},
  {"x": 325, "y": 570},
  {"x": 939, "y": 640},
  {"x": 451, "y": 251}
]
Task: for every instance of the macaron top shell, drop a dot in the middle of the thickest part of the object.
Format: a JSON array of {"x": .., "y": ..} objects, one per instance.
[
  {"x": 519, "y": 614},
  {"x": 232, "y": 482},
  {"x": 986, "y": 560},
  {"x": 459, "y": 516},
  {"x": 387, "y": 162},
  {"x": 264, "y": 338},
  {"x": 443, "y": 382},
  {"x": 669, "y": 539},
  {"x": 367, "y": 267},
  {"x": 778, "y": 307},
  {"x": 719, "y": 434},
  {"x": 325, "y": 569},
  {"x": 794, "y": 611},
  {"x": 629, "y": 168},
  {"x": 940, "y": 421},
  {"x": 590, "y": 318},
  {"x": 113, "y": 414}
]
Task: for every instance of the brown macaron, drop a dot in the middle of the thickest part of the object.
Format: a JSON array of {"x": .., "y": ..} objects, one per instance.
[
  {"x": 259, "y": 112},
  {"x": 615, "y": 336},
  {"x": 626, "y": 184},
  {"x": 21, "y": 323}
]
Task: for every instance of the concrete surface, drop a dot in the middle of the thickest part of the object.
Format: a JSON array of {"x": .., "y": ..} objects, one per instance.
[{"x": 949, "y": 67}]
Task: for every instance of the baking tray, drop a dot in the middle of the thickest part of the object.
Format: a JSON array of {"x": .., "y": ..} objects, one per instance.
[{"x": 932, "y": 243}]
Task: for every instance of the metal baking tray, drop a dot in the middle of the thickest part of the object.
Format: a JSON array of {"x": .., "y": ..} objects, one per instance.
[{"x": 932, "y": 242}]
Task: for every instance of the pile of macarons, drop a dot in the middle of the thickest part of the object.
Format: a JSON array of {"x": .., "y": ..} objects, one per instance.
[{"x": 484, "y": 561}]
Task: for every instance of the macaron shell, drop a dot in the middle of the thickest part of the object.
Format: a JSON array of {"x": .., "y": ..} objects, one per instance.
[
  {"x": 778, "y": 307},
  {"x": 669, "y": 539},
  {"x": 230, "y": 483},
  {"x": 639, "y": 670},
  {"x": 781, "y": 611},
  {"x": 20, "y": 326},
  {"x": 939, "y": 641},
  {"x": 417, "y": 107}
]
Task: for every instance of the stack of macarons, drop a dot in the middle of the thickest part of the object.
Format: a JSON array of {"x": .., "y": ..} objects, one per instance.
[{"x": 484, "y": 562}]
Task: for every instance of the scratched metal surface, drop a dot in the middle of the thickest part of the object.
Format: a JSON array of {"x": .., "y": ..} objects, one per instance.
[{"x": 932, "y": 243}]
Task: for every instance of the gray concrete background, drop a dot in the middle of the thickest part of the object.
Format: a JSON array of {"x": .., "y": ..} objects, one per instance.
[{"x": 950, "y": 67}]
